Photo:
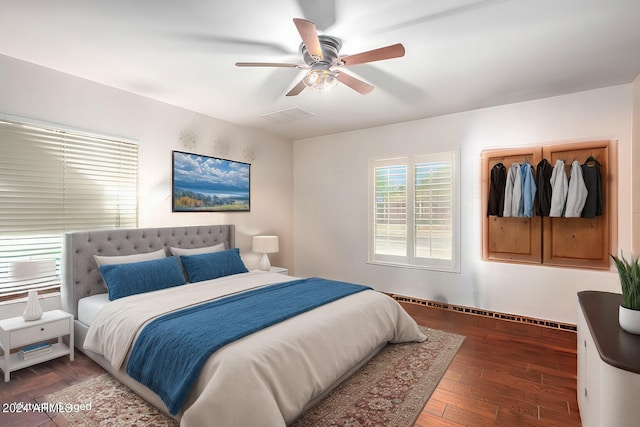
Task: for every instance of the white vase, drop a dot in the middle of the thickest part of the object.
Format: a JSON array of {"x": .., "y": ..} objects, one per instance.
[
  {"x": 629, "y": 320},
  {"x": 33, "y": 311}
]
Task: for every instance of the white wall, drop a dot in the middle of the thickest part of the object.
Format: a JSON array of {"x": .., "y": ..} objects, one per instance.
[
  {"x": 35, "y": 92},
  {"x": 326, "y": 209},
  {"x": 331, "y": 201}
]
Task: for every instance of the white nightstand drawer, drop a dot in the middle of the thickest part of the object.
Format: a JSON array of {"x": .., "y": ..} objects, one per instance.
[{"x": 41, "y": 332}]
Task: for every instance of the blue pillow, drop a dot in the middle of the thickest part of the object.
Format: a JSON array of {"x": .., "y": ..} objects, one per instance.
[
  {"x": 138, "y": 277},
  {"x": 212, "y": 265}
]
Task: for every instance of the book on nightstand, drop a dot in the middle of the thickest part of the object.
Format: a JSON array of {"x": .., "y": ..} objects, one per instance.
[{"x": 27, "y": 353}]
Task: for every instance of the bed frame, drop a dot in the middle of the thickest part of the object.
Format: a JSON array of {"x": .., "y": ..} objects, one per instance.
[{"x": 81, "y": 278}]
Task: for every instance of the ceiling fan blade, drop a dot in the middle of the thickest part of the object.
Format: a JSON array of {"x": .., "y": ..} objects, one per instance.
[
  {"x": 309, "y": 34},
  {"x": 388, "y": 52},
  {"x": 267, "y": 64},
  {"x": 354, "y": 83},
  {"x": 296, "y": 89}
]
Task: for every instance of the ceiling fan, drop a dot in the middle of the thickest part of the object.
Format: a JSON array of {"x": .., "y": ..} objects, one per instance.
[{"x": 320, "y": 54}]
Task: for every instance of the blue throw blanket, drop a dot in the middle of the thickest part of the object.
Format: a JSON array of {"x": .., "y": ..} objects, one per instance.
[{"x": 171, "y": 350}]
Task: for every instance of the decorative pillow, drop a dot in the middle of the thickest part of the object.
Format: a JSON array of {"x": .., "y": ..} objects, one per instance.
[
  {"x": 212, "y": 265},
  {"x": 139, "y": 277},
  {"x": 197, "y": 251},
  {"x": 126, "y": 259}
]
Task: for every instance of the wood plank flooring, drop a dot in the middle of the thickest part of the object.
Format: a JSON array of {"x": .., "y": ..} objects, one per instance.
[
  {"x": 30, "y": 385},
  {"x": 505, "y": 374}
]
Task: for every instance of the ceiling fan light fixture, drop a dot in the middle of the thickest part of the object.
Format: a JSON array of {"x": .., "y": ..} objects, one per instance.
[{"x": 320, "y": 79}]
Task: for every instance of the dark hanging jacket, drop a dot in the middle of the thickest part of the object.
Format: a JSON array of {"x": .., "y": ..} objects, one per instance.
[
  {"x": 543, "y": 183},
  {"x": 496, "y": 190},
  {"x": 592, "y": 179}
]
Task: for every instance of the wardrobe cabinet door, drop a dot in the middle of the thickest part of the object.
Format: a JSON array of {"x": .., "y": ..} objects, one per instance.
[
  {"x": 510, "y": 239},
  {"x": 583, "y": 242}
]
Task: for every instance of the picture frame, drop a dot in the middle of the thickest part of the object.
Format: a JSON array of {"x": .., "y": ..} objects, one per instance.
[{"x": 203, "y": 183}]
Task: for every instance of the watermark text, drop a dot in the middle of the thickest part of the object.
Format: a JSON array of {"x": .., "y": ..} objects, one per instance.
[{"x": 60, "y": 407}]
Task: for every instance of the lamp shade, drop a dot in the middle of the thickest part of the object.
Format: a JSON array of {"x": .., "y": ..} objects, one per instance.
[
  {"x": 266, "y": 244},
  {"x": 32, "y": 269}
]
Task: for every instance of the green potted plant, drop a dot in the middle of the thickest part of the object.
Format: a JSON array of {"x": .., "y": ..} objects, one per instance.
[{"x": 629, "y": 272}]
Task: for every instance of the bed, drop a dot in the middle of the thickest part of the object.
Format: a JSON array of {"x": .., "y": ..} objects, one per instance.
[{"x": 268, "y": 376}]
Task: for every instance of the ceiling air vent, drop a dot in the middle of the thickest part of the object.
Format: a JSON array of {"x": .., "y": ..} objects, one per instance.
[{"x": 287, "y": 115}]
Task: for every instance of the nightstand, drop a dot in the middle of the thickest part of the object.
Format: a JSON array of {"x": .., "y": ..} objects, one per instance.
[
  {"x": 280, "y": 270},
  {"x": 16, "y": 333}
]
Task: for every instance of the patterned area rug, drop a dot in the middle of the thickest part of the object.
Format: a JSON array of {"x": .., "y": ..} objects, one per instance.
[
  {"x": 390, "y": 390},
  {"x": 104, "y": 401}
]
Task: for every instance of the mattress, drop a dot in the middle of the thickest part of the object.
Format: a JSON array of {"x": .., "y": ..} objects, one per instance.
[
  {"x": 270, "y": 376},
  {"x": 88, "y": 307}
]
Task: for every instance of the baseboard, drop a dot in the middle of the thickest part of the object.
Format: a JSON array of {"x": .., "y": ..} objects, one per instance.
[{"x": 486, "y": 313}]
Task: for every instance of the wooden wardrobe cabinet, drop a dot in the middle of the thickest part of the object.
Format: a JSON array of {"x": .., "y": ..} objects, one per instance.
[
  {"x": 510, "y": 238},
  {"x": 557, "y": 241}
]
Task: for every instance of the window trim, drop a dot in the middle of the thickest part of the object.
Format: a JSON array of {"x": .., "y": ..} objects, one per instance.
[
  {"x": 65, "y": 128},
  {"x": 409, "y": 261}
]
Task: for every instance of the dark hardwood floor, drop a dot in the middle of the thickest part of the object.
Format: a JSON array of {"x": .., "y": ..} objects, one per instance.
[
  {"x": 30, "y": 385},
  {"x": 505, "y": 374}
]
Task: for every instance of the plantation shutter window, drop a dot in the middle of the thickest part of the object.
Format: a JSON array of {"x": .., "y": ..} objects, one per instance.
[
  {"x": 390, "y": 221},
  {"x": 414, "y": 216},
  {"x": 434, "y": 199},
  {"x": 53, "y": 181}
]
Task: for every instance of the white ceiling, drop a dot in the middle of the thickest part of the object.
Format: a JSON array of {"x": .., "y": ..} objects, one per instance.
[{"x": 460, "y": 54}]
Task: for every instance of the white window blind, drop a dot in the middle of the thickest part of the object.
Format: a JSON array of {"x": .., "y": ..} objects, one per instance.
[
  {"x": 414, "y": 218},
  {"x": 53, "y": 181}
]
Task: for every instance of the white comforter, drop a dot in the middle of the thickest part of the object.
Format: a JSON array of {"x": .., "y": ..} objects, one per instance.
[{"x": 267, "y": 378}]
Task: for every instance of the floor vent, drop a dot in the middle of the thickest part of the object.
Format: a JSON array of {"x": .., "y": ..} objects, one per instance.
[
  {"x": 287, "y": 115},
  {"x": 487, "y": 313}
]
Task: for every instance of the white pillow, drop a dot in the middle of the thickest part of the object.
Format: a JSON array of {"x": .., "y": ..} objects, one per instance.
[
  {"x": 127, "y": 259},
  {"x": 197, "y": 251}
]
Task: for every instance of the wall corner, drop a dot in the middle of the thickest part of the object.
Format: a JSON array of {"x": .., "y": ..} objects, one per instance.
[{"x": 635, "y": 172}]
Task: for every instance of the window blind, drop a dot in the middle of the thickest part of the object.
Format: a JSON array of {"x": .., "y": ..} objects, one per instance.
[{"x": 53, "y": 181}]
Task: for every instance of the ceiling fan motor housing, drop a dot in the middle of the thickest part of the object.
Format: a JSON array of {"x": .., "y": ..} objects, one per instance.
[{"x": 330, "y": 47}]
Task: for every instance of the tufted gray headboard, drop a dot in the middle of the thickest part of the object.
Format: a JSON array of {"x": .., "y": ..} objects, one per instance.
[{"x": 80, "y": 275}]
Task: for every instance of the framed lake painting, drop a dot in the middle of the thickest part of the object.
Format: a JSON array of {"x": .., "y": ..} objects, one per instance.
[{"x": 209, "y": 184}]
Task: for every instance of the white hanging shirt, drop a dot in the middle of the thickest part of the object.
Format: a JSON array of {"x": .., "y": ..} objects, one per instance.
[
  {"x": 559, "y": 189},
  {"x": 577, "y": 194},
  {"x": 512, "y": 191}
]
